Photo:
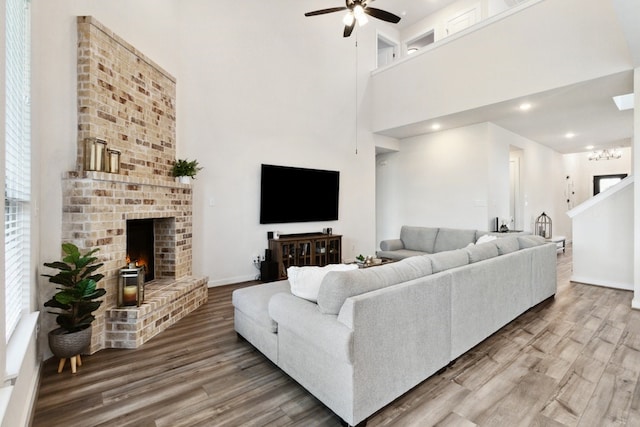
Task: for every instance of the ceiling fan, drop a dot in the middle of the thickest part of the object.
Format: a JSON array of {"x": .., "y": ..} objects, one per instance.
[{"x": 357, "y": 11}]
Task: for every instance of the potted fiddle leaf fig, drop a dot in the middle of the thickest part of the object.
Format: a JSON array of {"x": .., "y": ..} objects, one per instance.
[
  {"x": 75, "y": 300},
  {"x": 185, "y": 170}
]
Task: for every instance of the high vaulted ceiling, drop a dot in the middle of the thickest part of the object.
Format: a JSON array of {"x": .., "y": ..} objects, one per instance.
[
  {"x": 411, "y": 11},
  {"x": 586, "y": 110}
]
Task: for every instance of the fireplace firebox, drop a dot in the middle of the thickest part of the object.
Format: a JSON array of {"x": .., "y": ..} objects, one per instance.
[{"x": 141, "y": 246}]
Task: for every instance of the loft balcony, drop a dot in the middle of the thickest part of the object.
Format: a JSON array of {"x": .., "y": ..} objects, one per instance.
[{"x": 530, "y": 50}]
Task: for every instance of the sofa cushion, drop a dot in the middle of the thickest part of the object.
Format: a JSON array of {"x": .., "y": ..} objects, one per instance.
[
  {"x": 305, "y": 281},
  {"x": 530, "y": 241},
  {"x": 418, "y": 238},
  {"x": 399, "y": 254},
  {"x": 506, "y": 245},
  {"x": 449, "y": 259},
  {"x": 253, "y": 301},
  {"x": 337, "y": 286},
  {"x": 449, "y": 239},
  {"x": 482, "y": 251}
]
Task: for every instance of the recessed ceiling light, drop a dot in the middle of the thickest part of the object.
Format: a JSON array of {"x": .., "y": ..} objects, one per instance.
[
  {"x": 435, "y": 126},
  {"x": 624, "y": 102},
  {"x": 589, "y": 147},
  {"x": 525, "y": 106},
  {"x": 569, "y": 135}
]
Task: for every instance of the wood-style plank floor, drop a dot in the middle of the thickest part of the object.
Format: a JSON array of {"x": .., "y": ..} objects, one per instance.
[{"x": 570, "y": 361}]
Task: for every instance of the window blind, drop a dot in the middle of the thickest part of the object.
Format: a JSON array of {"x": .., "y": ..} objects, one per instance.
[{"x": 17, "y": 162}]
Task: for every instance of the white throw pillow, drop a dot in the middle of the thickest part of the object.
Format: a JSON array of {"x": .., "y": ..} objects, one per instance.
[
  {"x": 486, "y": 238},
  {"x": 305, "y": 281}
]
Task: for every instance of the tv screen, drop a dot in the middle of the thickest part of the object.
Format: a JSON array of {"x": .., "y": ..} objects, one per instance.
[{"x": 289, "y": 194}]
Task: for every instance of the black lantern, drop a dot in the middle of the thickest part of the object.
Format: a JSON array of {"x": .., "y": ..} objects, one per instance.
[
  {"x": 543, "y": 226},
  {"x": 131, "y": 287}
]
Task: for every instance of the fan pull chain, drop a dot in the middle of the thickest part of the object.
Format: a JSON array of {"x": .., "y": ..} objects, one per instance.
[{"x": 356, "y": 103}]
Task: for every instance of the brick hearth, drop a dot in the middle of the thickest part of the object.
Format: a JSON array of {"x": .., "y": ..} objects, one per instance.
[{"x": 127, "y": 100}]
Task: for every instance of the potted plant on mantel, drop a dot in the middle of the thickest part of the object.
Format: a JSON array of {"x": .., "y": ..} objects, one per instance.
[
  {"x": 185, "y": 170},
  {"x": 76, "y": 301}
]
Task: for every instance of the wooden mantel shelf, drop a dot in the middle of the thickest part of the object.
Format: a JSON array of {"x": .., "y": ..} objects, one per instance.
[{"x": 168, "y": 182}]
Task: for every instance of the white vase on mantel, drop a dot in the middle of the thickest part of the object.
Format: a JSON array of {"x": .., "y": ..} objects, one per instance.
[{"x": 184, "y": 179}]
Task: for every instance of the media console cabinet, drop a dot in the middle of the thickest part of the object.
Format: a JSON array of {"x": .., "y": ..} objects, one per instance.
[{"x": 305, "y": 249}]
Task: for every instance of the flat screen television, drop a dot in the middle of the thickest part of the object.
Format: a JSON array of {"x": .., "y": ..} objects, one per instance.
[{"x": 289, "y": 194}]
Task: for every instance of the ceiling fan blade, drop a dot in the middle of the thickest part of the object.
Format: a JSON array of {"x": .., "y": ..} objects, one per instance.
[
  {"x": 323, "y": 11},
  {"x": 348, "y": 29},
  {"x": 382, "y": 14}
]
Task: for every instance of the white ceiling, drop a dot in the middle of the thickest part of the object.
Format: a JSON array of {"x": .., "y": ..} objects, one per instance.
[
  {"x": 411, "y": 11},
  {"x": 587, "y": 109}
]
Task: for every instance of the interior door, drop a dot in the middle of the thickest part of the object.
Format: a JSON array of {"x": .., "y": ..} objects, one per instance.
[
  {"x": 387, "y": 50},
  {"x": 463, "y": 19},
  {"x": 515, "y": 194}
]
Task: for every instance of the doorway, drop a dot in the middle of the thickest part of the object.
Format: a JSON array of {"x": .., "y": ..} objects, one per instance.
[
  {"x": 515, "y": 192},
  {"x": 463, "y": 19},
  {"x": 387, "y": 50},
  {"x": 417, "y": 43}
]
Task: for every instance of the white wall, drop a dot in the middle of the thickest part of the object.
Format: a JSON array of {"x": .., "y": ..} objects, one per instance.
[
  {"x": 437, "y": 180},
  {"x": 581, "y": 171},
  {"x": 541, "y": 180},
  {"x": 437, "y": 21},
  {"x": 603, "y": 240},
  {"x": 420, "y": 88},
  {"x": 246, "y": 95},
  {"x": 636, "y": 193},
  {"x": 251, "y": 95},
  {"x": 460, "y": 178},
  {"x": 578, "y": 177}
]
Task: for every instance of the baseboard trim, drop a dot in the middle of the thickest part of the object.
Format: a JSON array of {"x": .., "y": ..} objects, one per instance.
[
  {"x": 231, "y": 280},
  {"x": 603, "y": 283}
]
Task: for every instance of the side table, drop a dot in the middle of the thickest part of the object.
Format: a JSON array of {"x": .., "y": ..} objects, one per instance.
[{"x": 560, "y": 242}]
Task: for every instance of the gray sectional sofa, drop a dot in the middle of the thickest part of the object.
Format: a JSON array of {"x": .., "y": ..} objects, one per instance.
[
  {"x": 428, "y": 240},
  {"x": 375, "y": 333}
]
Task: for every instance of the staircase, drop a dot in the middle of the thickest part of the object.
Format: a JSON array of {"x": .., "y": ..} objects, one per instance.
[{"x": 603, "y": 238}]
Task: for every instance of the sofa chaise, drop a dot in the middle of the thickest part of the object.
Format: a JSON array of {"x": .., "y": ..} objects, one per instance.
[{"x": 373, "y": 334}]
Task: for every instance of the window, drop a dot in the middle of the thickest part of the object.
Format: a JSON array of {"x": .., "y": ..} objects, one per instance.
[
  {"x": 17, "y": 162},
  {"x": 604, "y": 182}
]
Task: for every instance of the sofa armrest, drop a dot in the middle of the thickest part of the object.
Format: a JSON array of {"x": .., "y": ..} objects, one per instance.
[
  {"x": 391, "y": 245},
  {"x": 401, "y": 336},
  {"x": 303, "y": 318}
]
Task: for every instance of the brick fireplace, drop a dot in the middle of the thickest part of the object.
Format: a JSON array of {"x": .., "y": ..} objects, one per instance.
[{"x": 127, "y": 100}]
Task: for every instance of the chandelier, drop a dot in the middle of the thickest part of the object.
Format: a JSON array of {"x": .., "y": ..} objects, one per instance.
[{"x": 605, "y": 154}]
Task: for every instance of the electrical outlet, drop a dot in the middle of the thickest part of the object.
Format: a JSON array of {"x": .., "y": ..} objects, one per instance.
[{"x": 256, "y": 259}]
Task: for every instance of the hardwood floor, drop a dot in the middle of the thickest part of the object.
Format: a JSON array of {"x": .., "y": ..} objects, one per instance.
[{"x": 570, "y": 361}]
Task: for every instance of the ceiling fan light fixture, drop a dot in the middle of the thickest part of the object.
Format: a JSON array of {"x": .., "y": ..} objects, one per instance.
[
  {"x": 348, "y": 19},
  {"x": 358, "y": 11},
  {"x": 359, "y": 15}
]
